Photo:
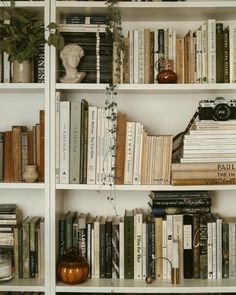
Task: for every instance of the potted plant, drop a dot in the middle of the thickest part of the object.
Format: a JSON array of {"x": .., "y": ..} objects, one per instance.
[{"x": 22, "y": 35}]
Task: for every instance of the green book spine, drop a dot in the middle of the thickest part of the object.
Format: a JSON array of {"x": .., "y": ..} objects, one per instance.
[
  {"x": 226, "y": 56},
  {"x": 219, "y": 53},
  {"x": 129, "y": 246},
  {"x": 225, "y": 250}
]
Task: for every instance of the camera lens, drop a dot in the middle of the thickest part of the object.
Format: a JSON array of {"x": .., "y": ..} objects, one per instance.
[{"x": 221, "y": 112}]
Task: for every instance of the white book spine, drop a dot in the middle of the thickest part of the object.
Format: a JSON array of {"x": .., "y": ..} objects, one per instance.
[
  {"x": 219, "y": 248},
  {"x": 156, "y": 55},
  {"x": 131, "y": 56},
  {"x": 137, "y": 146},
  {"x": 99, "y": 145},
  {"x": 6, "y": 68},
  {"x": 102, "y": 159},
  {"x": 121, "y": 244},
  {"x": 214, "y": 262},
  {"x": 174, "y": 49},
  {"x": 98, "y": 56},
  {"x": 92, "y": 253},
  {"x": 140, "y": 154},
  {"x": 75, "y": 141},
  {"x": 178, "y": 235},
  {"x": 129, "y": 153},
  {"x": 92, "y": 145},
  {"x": 89, "y": 246},
  {"x": 211, "y": 36},
  {"x": 136, "y": 57},
  {"x": 169, "y": 235},
  {"x": 204, "y": 54},
  {"x": 64, "y": 141},
  {"x": 232, "y": 251},
  {"x": 209, "y": 251},
  {"x": 57, "y": 137}
]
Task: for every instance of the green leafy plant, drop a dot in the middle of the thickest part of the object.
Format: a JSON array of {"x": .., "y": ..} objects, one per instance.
[{"x": 22, "y": 33}]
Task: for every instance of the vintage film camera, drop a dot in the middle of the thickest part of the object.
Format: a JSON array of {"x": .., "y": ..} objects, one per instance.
[{"x": 219, "y": 109}]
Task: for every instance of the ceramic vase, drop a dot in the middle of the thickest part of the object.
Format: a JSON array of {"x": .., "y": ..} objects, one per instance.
[
  {"x": 22, "y": 72},
  {"x": 166, "y": 75},
  {"x": 30, "y": 173}
]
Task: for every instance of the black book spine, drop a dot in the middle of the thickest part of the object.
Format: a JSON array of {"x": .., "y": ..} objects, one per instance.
[
  {"x": 203, "y": 247},
  {"x": 181, "y": 202},
  {"x": 83, "y": 138},
  {"x": 225, "y": 250},
  {"x": 188, "y": 249},
  {"x": 108, "y": 246},
  {"x": 196, "y": 246}
]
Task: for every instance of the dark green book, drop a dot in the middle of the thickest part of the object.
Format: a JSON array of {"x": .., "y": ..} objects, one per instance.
[
  {"x": 196, "y": 246},
  {"x": 226, "y": 56},
  {"x": 219, "y": 53},
  {"x": 69, "y": 220},
  {"x": 129, "y": 244},
  {"x": 225, "y": 250},
  {"x": 61, "y": 233}
]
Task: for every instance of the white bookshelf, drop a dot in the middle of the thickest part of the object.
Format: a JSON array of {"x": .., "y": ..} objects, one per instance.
[{"x": 163, "y": 109}]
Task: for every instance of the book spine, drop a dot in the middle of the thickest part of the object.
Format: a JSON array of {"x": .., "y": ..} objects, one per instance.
[
  {"x": 57, "y": 137},
  {"x": 115, "y": 251},
  {"x": 129, "y": 153},
  {"x": 121, "y": 247},
  {"x": 219, "y": 53},
  {"x": 226, "y": 56},
  {"x": 232, "y": 250},
  {"x": 136, "y": 57},
  {"x": 108, "y": 243},
  {"x": 96, "y": 249},
  {"x": 129, "y": 248},
  {"x": 41, "y": 167},
  {"x": 178, "y": 235},
  {"x": 219, "y": 248},
  {"x": 181, "y": 202},
  {"x": 131, "y": 56},
  {"x": 225, "y": 250},
  {"x": 210, "y": 181},
  {"x": 229, "y": 174},
  {"x": 188, "y": 252},
  {"x": 8, "y": 157},
  {"x": 102, "y": 249},
  {"x": 26, "y": 250},
  {"x": 211, "y": 37},
  {"x": 158, "y": 247},
  {"x": 209, "y": 250},
  {"x": 83, "y": 141},
  {"x": 64, "y": 141},
  {"x": 16, "y": 152},
  {"x": 1, "y": 156},
  {"x": 92, "y": 145},
  {"x": 141, "y": 50},
  {"x": 74, "y": 142}
]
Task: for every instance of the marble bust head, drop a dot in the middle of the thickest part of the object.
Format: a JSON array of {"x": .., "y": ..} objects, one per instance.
[{"x": 71, "y": 55}]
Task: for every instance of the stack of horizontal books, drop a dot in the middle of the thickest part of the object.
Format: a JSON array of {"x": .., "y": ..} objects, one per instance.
[{"x": 209, "y": 154}]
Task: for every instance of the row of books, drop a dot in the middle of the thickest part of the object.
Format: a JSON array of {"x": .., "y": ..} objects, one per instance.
[
  {"x": 124, "y": 247},
  {"x": 204, "y": 55},
  {"x": 24, "y": 239},
  {"x": 91, "y": 34},
  {"x": 92, "y": 148},
  {"x": 20, "y": 147},
  {"x": 37, "y": 67},
  {"x": 208, "y": 155}
]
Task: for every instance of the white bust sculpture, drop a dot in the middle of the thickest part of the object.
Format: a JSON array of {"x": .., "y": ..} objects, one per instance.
[{"x": 71, "y": 55}]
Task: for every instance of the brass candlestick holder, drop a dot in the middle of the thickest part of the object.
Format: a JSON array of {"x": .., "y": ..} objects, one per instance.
[{"x": 174, "y": 272}]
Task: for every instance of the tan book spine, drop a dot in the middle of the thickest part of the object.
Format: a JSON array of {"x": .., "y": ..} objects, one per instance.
[
  {"x": 116, "y": 64},
  {"x": 126, "y": 60},
  {"x": 37, "y": 145},
  {"x": 219, "y": 166},
  {"x": 16, "y": 152},
  {"x": 180, "y": 60},
  {"x": 204, "y": 181},
  {"x": 158, "y": 248},
  {"x": 42, "y": 141},
  {"x": 120, "y": 148},
  {"x": 229, "y": 174},
  {"x": 8, "y": 161},
  {"x": 30, "y": 147},
  {"x": 144, "y": 158}
]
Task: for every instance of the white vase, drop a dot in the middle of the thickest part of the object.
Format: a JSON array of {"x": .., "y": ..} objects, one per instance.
[
  {"x": 22, "y": 72},
  {"x": 30, "y": 173}
]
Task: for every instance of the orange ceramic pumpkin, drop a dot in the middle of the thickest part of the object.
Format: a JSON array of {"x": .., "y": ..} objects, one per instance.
[{"x": 72, "y": 267}]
